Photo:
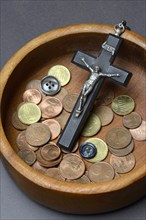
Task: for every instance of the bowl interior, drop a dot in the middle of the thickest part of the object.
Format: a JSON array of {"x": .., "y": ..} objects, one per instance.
[{"x": 60, "y": 51}]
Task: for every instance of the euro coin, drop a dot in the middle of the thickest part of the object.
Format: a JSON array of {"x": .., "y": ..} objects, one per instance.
[
  {"x": 139, "y": 133},
  {"x": 101, "y": 172},
  {"x": 29, "y": 113},
  {"x": 122, "y": 152},
  {"x": 69, "y": 101},
  {"x": 61, "y": 73},
  {"x": 132, "y": 120},
  {"x": 92, "y": 126},
  {"x": 17, "y": 123},
  {"x": 27, "y": 155},
  {"x": 118, "y": 137},
  {"x": 37, "y": 134},
  {"x": 105, "y": 114},
  {"x": 72, "y": 167},
  {"x": 123, "y": 105},
  {"x": 123, "y": 164},
  {"x": 102, "y": 150}
]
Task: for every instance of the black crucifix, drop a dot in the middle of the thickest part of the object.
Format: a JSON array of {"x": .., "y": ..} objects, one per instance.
[{"x": 100, "y": 68}]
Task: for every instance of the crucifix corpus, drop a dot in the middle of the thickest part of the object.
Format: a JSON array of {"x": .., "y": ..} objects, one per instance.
[{"x": 100, "y": 69}]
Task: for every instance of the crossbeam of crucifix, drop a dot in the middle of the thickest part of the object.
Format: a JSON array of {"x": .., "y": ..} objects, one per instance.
[{"x": 100, "y": 67}]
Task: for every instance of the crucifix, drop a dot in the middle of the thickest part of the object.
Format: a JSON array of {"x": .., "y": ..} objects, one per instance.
[{"x": 100, "y": 68}]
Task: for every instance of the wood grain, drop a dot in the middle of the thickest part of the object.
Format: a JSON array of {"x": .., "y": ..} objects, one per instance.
[{"x": 32, "y": 62}]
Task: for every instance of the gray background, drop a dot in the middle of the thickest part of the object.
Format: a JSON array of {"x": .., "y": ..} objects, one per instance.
[{"x": 21, "y": 21}]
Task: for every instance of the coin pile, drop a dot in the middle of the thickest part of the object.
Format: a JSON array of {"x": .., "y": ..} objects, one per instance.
[{"x": 43, "y": 113}]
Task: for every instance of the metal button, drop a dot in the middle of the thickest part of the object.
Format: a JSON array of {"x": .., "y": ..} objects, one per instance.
[
  {"x": 88, "y": 150},
  {"x": 50, "y": 85}
]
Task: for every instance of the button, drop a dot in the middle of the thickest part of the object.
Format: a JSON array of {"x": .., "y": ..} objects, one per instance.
[
  {"x": 88, "y": 150},
  {"x": 50, "y": 85}
]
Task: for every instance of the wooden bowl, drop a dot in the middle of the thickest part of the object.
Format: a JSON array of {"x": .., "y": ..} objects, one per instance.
[{"x": 32, "y": 62}]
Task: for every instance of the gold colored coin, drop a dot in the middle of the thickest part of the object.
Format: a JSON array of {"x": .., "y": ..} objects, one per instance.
[
  {"x": 29, "y": 113},
  {"x": 61, "y": 73},
  {"x": 123, "y": 105},
  {"x": 102, "y": 149},
  {"x": 105, "y": 114},
  {"x": 92, "y": 126}
]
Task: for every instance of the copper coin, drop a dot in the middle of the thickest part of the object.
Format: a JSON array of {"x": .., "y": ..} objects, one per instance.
[
  {"x": 124, "y": 151},
  {"x": 118, "y": 137},
  {"x": 50, "y": 107},
  {"x": 39, "y": 168},
  {"x": 62, "y": 118},
  {"x": 133, "y": 120},
  {"x": 50, "y": 151},
  {"x": 54, "y": 127},
  {"x": 82, "y": 179},
  {"x": 139, "y": 133},
  {"x": 22, "y": 143},
  {"x": 27, "y": 155},
  {"x": 32, "y": 95},
  {"x": 54, "y": 173},
  {"x": 46, "y": 163},
  {"x": 116, "y": 175},
  {"x": 101, "y": 172},
  {"x": 63, "y": 92},
  {"x": 37, "y": 134},
  {"x": 105, "y": 114},
  {"x": 75, "y": 148},
  {"x": 106, "y": 97},
  {"x": 72, "y": 167},
  {"x": 17, "y": 123},
  {"x": 34, "y": 84},
  {"x": 123, "y": 164},
  {"x": 69, "y": 102}
]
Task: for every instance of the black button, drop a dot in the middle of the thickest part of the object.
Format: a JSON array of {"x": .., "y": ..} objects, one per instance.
[
  {"x": 88, "y": 150},
  {"x": 50, "y": 85}
]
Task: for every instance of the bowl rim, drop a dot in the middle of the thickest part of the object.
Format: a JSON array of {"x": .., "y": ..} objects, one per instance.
[{"x": 10, "y": 155}]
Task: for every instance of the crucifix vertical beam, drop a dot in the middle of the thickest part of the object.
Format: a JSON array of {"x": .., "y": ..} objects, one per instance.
[{"x": 104, "y": 61}]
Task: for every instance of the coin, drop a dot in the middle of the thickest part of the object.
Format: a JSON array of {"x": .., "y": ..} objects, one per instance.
[
  {"x": 61, "y": 73},
  {"x": 17, "y": 123},
  {"x": 123, "y": 164},
  {"x": 39, "y": 168},
  {"x": 83, "y": 179},
  {"x": 69, "y": 101},
  {"x": 122, "y": 152},
  {"x": 101, "y": 172},
  {"x": 35, "y": 84},
  {"x": 32, "y": 95},
  {"x": 27, "y": 155},
  {"x": 75, "y": 148},
  {"x": 37, "y": 134},
  {"x": 46, "y": 163},
  {"x": 102, "y": 149},
  {"x": 105, "y": 114},
  {"x": 123, "y": 105},
  {"x": 92, "y": 126},
  {"x": 139, "y": 133},
  {"x": 106, "y": 97},
  {"x": 50, "y": 107},
  {"x": 22, "y": 143},
  {"x": 29, "y": 113},
  {"x": 62, "y": 93},
  {"x": 54, "y": 173},
  {"x": 132, "y": 120},
  {"x": 54, "y": 127},
  {"x": 72, "y": 167},
  {"x": 50, "y": 151},
  {"x": 118, "y": 137},
  {"x": 62, "y": 118}
]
